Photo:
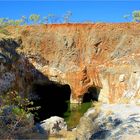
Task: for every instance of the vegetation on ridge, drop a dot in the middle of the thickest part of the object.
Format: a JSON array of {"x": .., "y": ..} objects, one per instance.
[
  {"x": 36, "y": 19},
  {"x": 135, "y": 16},
  {"x": 52, "y": 18}
]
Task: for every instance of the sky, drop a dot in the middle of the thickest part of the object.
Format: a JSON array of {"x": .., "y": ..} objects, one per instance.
[{"x": 96, "y": 11}]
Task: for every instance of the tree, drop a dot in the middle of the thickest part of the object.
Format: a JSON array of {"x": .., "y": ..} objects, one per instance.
[
  {"x": 136, "y": 16},
  {"x": 4, "y": 22},
  {"x": 1, "y": 21},
  {"x": 67, "y": 16},
  {"x": 34, "y": 18},
  {"x": 10, "y": 22},
  {"x": 17, "y": 22},
  {"x": 51, "y": 18},
  {"x": 126, "y": 17},
  {"x": 24, "y": 20}
]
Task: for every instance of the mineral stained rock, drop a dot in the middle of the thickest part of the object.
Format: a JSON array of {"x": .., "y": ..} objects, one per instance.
[{"x": 104, "y": 56}]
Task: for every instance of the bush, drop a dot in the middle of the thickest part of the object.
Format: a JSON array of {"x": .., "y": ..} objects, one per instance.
[
  {"x": 34, "y": 18},
  {"x": 16, "y": 121}
]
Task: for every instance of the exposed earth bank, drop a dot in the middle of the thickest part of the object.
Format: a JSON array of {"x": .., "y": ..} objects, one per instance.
[{"x": 103, "y": 56}]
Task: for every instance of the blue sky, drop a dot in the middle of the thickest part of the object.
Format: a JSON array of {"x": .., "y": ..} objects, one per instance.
[{"x": 98, "y": 11}]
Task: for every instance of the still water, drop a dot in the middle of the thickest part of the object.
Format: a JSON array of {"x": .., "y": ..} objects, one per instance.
[{"x": 75, "y": 112}]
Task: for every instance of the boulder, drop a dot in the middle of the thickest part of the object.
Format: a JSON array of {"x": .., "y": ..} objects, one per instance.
[{"x": 52, "y": 125}]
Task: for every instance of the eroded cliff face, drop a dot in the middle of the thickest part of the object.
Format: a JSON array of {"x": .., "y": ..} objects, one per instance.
[{"x": 105, "y": 56}]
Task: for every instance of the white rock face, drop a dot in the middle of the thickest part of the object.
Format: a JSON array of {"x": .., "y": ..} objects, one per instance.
[
  {"x": 112, "y": 122},
  {"x": 53, "y": 125},
  {"x": 116, "y": 120}
]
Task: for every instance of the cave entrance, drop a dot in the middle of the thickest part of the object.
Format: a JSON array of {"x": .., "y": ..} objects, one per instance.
[
  {"x": 52, "y": 98},
  {"x": 91, "y": 95}
]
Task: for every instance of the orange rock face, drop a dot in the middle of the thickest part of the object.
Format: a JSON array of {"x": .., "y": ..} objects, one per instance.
[{"x": 105, "y": 56}]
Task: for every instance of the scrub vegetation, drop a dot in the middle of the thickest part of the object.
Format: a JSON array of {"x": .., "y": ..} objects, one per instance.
[
  {"x": 52, "y": 18},
  {"x": 37, "y": 19},
  {"x": 135, "y": 16},
  {"x": 16, "y": 121}
]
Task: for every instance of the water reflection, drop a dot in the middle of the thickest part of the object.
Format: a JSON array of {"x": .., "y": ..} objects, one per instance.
[{"x": 75, "y": 112}]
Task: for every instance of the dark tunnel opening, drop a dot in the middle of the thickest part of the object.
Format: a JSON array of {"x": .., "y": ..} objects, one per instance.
[
  {"x": 52, "y": 98},
  {"x": 91, "y": 95}
]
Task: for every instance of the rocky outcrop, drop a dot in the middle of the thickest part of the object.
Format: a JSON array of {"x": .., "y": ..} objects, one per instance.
[
  {"x": 105, "y": 56},
  {"x": 116, "y": 121}
]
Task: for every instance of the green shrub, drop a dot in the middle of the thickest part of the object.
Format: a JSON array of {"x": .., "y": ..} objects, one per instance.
[
  {"x": 34, "y": 18},
  {"x": 16, "y": 121},
  {"x": 136, "y": 16}
]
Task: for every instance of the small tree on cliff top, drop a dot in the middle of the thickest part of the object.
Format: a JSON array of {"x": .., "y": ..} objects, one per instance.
[
  {"x": 67, "y": 16},
  {"x": 24, "y": 20},
  {"x": 136, "y": 16},
  {"x": 127, "y": 17},
  {"x": 34, "y": 18}
]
